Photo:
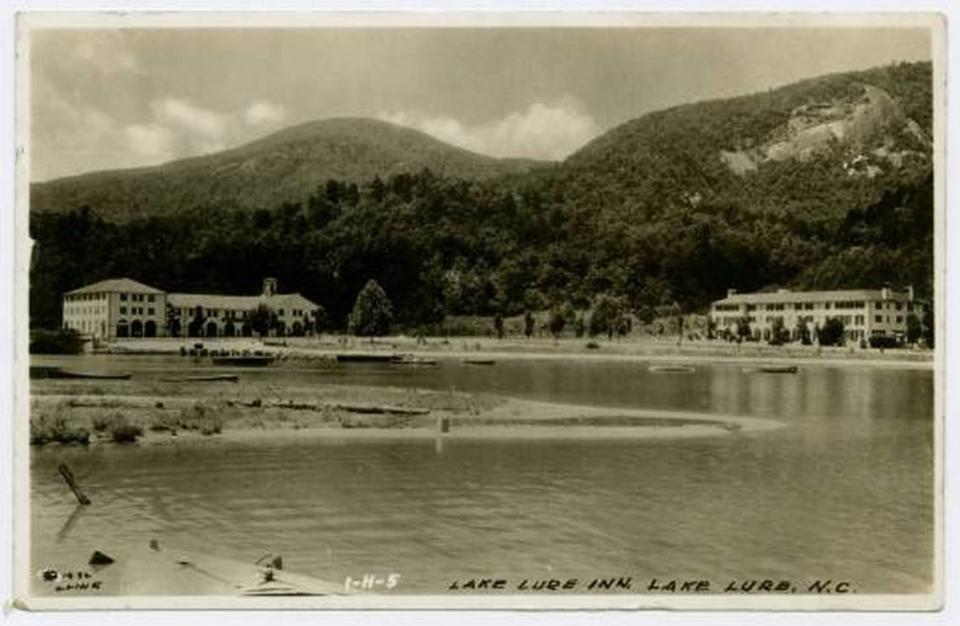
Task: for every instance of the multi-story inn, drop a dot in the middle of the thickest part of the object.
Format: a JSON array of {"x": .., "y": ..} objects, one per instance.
[
  {"x": 864, "y": 312},
  {"x": 122, "y": 307}
]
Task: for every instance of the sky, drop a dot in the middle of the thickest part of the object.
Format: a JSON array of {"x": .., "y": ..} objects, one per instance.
[{"x": 115, "y": 98}]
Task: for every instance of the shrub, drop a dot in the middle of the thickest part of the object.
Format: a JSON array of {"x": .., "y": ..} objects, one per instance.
[
  {"x": 100, "y": 423},
  {"x": 884, "y": 341},
  {"x": 64, "y": 341},
  {"x": 46, "y": 428},
  {"x": 122, "y": 431},
  {"x": 593, "y": 345}
]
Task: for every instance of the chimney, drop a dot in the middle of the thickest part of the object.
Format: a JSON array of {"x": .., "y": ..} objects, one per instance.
[
  {"x": 910, "y": 292},
  {"x": 885, "y": 293},
  {"x": 731, "y": 292},
  {"x": 269, "y": 287}
]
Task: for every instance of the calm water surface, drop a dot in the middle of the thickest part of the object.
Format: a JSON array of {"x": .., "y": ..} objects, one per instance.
[{"x": 845, "y": 490}]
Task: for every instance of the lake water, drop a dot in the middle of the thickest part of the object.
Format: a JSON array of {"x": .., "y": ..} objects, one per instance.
[{"x": 844, "y": 491}]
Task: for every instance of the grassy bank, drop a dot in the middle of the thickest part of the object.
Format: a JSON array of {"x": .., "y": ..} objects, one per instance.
[{"x": 87, "y": 412}]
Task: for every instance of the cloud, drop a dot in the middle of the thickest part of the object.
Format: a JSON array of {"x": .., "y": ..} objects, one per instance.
[
  {"x": 150, "y": 140},
  {"x": 264, "y": 114},
  {"x": 549, "y": 131},
  {"x": 107, "y": 52},
  {"x": 182, "y": 115}
]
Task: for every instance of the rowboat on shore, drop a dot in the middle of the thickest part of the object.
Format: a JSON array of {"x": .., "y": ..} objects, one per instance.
[
  {"x": 44, "y": 371},
  {"x": 409, "y": 359},
  {"x": 671, "y": 369},
  {"x": 167, "y": 571},
  {"x": 210, "y": 378},
  {"x": 364, "y": 357},
  {"x": 779, "y": 369},
  {"x": 254, "y": 360},
  {"x": 479, "y": 361}
]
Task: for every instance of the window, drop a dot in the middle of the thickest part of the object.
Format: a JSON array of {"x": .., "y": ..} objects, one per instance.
[
  {"x": 878, "y": 319},
  {"x": 280, "y": 312},
  {"x": 123, "y": 310},
  {"x": 751, "y": 307},
  {"x": 150, "y": 311},
  {"x": 899, "y": 319},
  {"x": 150, "y": 298},
  {"x": 123, "y": 297}
]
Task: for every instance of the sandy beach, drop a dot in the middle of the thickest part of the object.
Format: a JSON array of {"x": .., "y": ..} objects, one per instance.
[{"x": 210, "y": 412}]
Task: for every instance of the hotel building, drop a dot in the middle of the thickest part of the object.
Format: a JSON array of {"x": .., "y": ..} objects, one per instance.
[
  {"x": 122, "y": 307},
  {"x": 864, "y": 312}
]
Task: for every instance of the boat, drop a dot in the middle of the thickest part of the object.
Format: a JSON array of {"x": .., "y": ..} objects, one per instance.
[
  {"x": 211, "y": 378},
  {"x": 409, "y": 359},
  {"x": 169, "y": 571},
  {"x": 44, "y": 371},
  {"x": 779, "y": 369},
  {"x": 673, "y": 369},
  {"x": 254, "y": 360},
  {"x": 364, "y": 357},
  {"x": 479, "y": 361}
]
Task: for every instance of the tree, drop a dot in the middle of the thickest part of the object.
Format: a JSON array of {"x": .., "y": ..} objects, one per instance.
[
  {"x": 743, "y": 327},
  {"x": 528, "y": 324},
  {"x": 558, "y": 319},
  {"x": 262, "y": 319},
  {"x": 928, "y": 325},
  {"x": 372, "y": 312},
  {"x": 914, "y": 328},
  {"x": 498, "y": 325},
  {"x": 609, "y": 315},
  {"x": 802, "y": 332},
  {"x": 777, "y": 331},
  {"x": 832, "y": 332}
]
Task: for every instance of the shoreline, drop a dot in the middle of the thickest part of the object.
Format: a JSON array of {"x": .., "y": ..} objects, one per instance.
[
  {"x": 543, "y": 349},
  {"x": 488, "y": 418}
]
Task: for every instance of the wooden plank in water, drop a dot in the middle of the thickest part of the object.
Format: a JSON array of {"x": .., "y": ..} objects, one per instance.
[{"x": 72, "y": 483}]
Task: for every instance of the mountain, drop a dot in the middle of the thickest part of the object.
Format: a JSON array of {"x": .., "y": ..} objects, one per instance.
[
  {"x": 285, "y": 166},
  {"x": 821, "y": 184},
  {"x": 813, "y": 149}
]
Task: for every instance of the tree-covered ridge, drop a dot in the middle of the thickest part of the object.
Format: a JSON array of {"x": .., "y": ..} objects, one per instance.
[
  {"x": 442, "y": 246},
  {"x": 283, "y": 167},
  {"x": 648, "y": 215}
]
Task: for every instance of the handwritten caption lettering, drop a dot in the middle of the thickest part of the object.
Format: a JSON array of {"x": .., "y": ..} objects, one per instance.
[{"x": 818, "y": 586}]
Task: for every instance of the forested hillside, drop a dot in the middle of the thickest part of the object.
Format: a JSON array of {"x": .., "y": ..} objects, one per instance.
[
  {"x": 283, "y": 167},
  {"x": 826, "y": 183}
]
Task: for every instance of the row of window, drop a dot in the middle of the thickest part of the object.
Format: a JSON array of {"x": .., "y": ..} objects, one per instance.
[
  {"x": 856, "y": 320},
  {"x": 809, "y": 306},
  {"x": 233, "y": 314},
  {"x": 137, "y": 297},
  {"x": 85, "y": 297},
  {"x": 136, "y": 310}
]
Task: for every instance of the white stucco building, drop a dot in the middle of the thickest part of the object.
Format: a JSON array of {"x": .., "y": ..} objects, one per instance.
[
  {"x": 122, "y": 307},
  {"x": 864, "y": 312}
]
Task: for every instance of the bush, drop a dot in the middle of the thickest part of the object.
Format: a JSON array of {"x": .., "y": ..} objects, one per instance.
[
  {"x": 200, "y": 417},
  {"x": 832, "y": 333},
  {"x": 122, "y": 431},
  {"x": 64, "y": 341},
  {"x": 46, "y": 428},
  {"x": 885, "y": 341}
]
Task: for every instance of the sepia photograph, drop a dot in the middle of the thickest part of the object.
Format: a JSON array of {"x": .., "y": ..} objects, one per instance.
[{"x": 440, "y": 311}]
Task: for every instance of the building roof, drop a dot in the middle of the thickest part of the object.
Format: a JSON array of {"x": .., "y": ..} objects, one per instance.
[
  {"x": 114, "y": 285},
  {"x": 239, "y": 303},
  {"x": 814, "y": 296}
]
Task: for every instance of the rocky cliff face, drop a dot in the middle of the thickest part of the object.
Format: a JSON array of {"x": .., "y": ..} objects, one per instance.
[{"x": 872, "y": 131}]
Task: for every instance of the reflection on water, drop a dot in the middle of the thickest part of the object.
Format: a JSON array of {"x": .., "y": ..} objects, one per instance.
[{"x": 845, "y": 491}]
